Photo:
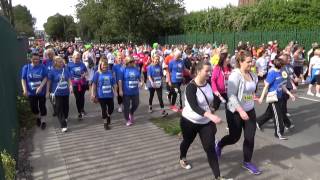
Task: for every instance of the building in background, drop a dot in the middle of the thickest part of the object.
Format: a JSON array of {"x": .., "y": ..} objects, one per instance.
[{"x": 246, "y": 2}]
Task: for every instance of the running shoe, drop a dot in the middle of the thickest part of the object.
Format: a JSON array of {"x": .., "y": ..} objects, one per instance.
[
  {"x": 223, "y": 178},
  {"x": 174, "y": 108},
  {"x": 282, "y": 138},
  {"x": 164, "y": 113},
  {"x": 150, "y": 109},
  {"x": 318, "y": 94},
  {"x": 290, "y": 127},
  {"x": 64, "y": 130},
  {"x": 259, "y": 127},
  {"x": 38, "y": 122},
  {"x": 43, "y": 125},
  {"x": 288, "y": 114},
  {"x": 120, "y": 109},
  {"x": 310, "y": 93},
  {"x": 251, "y": 168},
  {"x": 80, "y": 117},
  {"x": 128, "y": 123},
  {"x": 218, "y": 149},
  {"x": 131, "y": 118},
  {"x": 106, "y": 126},
  {"x": 184, "y": 164}
]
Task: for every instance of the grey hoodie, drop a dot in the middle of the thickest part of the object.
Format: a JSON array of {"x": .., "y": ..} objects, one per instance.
[{"x": 236, "y": 85}]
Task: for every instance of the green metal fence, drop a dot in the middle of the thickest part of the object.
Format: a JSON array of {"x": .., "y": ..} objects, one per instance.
[
  {"x": 12, "y": 57},
  {"x": 305, "y": 38}
]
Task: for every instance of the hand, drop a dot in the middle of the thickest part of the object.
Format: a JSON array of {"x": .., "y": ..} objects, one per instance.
[
  {"x": 71, "y": 89},
  {"x": 24, "y": 93},
  {"x": 121, "y": 93},
  {"x": 170, "y": 84},
  {"x": 141, "y": 84},
  {"x": 260, "y": 101},
  {"x": 217, "y": 94},
  {"x": 38, "y": 90},
  {"x": 293, "y": 98},
  {"x": 244, "y": 115},
  {"x": 93, "y": 97},
  {"x": 214, "y": 118}
]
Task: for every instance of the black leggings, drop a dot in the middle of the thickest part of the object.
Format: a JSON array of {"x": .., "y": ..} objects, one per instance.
[
  {"x": 107, "y": 107},
  {"x": 159, "y": 94},
  {"x": 145, "y": 77},
  {"x": 175, "y": 94},
  {"x": 79, "y": 95},
  {"x": 119, "y": 98},
  {"x": 276, "y": 112},
  {"x": 207, "y": 135},
  {"x": 62, "y": 109},
  {"x": 236, "y": 124},
  {"x": 38, "y": 105}
]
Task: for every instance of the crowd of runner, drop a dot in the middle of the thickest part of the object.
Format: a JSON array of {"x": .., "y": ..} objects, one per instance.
[{"x": 207, "y": 71}]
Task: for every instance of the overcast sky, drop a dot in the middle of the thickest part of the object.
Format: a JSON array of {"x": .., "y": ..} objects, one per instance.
[{"x": 42, "y": 9}]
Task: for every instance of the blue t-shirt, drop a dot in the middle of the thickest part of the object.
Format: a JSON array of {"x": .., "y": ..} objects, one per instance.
[
  {"x": 155, "y": 72},
  {"x": 130, "y": 78},
  {"x": 104, "y": 82},
  {"x": 176, "y": 68},
  {"x": 117, "y": 69},
  {"x": 33, "y": 75},
  {"x": 275, "y": 80},
  {"x": 76, "y": 70},
  {"x": 54, "y": 76},
  {"x": 49, "y": 65}
]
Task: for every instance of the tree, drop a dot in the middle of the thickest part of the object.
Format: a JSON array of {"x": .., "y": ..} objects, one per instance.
[
  {"x": 6, "y": 7},
  {"x": 24, "y": 21},
  {"x": 60, "y": 27},
  {"x": 127, "y": 20}
]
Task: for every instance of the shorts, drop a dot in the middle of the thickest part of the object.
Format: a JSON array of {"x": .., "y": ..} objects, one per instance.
[{"x": 298, "y": 70}]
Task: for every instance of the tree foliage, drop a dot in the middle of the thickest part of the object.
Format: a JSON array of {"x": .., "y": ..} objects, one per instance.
[
  {"x": 6, "y": 10},
  {"x": 265, "y": 15},
  {"x": 128, "y": 20},
  {"x": 61, "y": 28},
  {"x": 24, "y": 21}
]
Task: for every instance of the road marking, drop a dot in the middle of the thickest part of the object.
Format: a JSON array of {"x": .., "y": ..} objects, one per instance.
[{"x": 309, "y": 99}]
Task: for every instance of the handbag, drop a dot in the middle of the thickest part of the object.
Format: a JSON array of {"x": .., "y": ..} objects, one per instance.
[
  {"x": 272, "y": 97},
  {"x": 52, "y": 96}
]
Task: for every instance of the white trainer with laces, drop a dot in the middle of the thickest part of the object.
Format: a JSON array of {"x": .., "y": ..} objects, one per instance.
[
  {"x": 64, "y": 129},
  {"x": 310, "y": 93}
]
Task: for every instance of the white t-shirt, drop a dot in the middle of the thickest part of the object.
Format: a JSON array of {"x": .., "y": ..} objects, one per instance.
[
  {"x": 315, "y": 62},
  {"x": 262, "y": 65}
]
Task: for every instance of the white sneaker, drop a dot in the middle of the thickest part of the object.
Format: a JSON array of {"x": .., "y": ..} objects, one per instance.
[
  {"x": 120, "y": 109},
  {"x": 318, "y": 94},
  {"x": 184, "y": 164},
  {"x": 288, "y": 115},
  {"x": 145, "y": 87},
  {"x": 290, "y": 127},
  {"x": 310, "y": 93},
  {"x": 64, "y": 129}
]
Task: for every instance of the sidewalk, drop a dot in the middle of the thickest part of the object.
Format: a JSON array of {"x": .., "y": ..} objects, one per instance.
[{"x": 143, "y": 151}]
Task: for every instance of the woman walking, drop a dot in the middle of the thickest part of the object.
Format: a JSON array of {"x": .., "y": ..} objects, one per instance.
[
  {"x": 78, "y": 72},
  {"x": 219, "y": 80},
  {"x": 129, "y": 88},
  {"x": 197, "y": 118},
  {"x": 240, "y": 109},
  {"x": 60, "y": 87},
  {"x": 154, "y": 83},
  {"x": 276, "y": 87},
  {"x": 33, "y": 80},
  {"x": 103, "y": 89}
]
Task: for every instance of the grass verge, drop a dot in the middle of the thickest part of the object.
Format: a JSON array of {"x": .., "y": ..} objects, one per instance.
[{"x": 170, "y": 124}]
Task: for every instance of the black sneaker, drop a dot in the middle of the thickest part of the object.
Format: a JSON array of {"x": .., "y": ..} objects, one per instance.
[
  {"x": 164, "y": 113},
  {"x": 106, "y": 126},
  {"x": 80, "y": 117},
  {"x": 108, "y": 120},
  {"x": 43, "y": 125},
  {"x": 38, "y": 122}
]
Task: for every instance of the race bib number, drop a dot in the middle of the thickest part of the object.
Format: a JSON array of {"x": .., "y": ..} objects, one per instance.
[
  {"x": 63, "y": 85},
  {"x": 133, "y": 84},
  {"x": 284, "y": 75},
  {"x": 157, "y": 82},
  {"x": 178, "y": 75},
  {"x": 247, "y": 98},
  {"x": 34, "y": 85},
  {"x": 106, "y": 89}
]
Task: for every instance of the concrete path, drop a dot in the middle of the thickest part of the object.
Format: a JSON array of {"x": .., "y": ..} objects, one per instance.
[{"x": 143, "y": 151}]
